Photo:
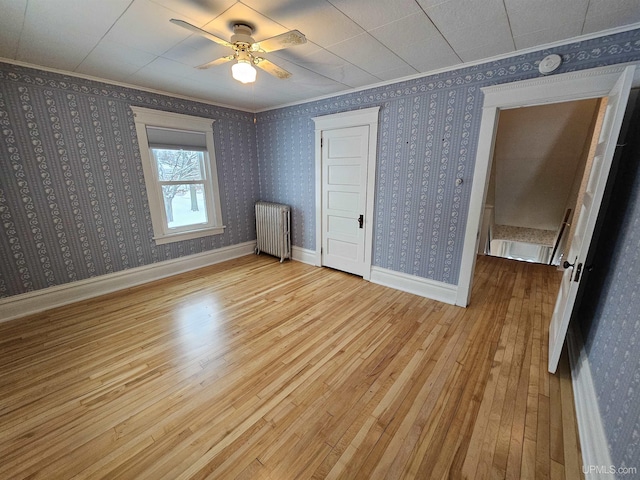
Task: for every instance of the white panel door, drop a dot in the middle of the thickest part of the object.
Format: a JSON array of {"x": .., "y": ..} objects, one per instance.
[
  {"x": 587, "y": 215},
  {"x": 345, "y": 154}
]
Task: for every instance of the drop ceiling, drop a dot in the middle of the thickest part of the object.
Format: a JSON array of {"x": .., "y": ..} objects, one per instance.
[{"x": 350, "y": 43}]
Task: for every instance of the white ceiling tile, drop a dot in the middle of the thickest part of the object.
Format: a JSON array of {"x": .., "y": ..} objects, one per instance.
[
  {"x": 56, "y": 51},
  {"x": 236, "y": 94},
  {"x": 612, "y": 19},
  {"x": 165, "y": 68},
  {"x": 11, "y": 21},
  {"x": 416, "y": 40},
  {"x": 91, "y": 17},
  {"x": 114, "y": 61},
  {"x": 370, "y": 14},
  {"x": 146, "y": 25},
  {"x": 175, "y": 85},
  {"x": 332, "y": 66},
  {"x": 298, "y": 52},
  {"x": 397, "y": 73},
  {"x": 430, "y": 3},
  {"x": 306, "y": 82},
  {"x": 367, "y": 53},
  {"x": 432, "y": 59},
  {"x": 120, "y": 72},
  {"x": 489, "y": 50},
  {"x": 599, "y": 8},
  {"x": 548, "y": 35},
  {"x": 196, "y": 50},
  {"x": 456, "y": 14},
  {"x": 264, "y": 27},
  {"x": 200, "y": 11},
  {"x": 472, "y": 37},
  {"x": 190, "y": 88},
  {"x": 49, "y": 38},
  {"x": 318, "y": 20},
  {"x": 528, "y": 16}
]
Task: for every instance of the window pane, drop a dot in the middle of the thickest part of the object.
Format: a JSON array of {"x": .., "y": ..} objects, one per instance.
[
  {"x": 179, "y": 164},
  {"x": 184, "y": 204}
]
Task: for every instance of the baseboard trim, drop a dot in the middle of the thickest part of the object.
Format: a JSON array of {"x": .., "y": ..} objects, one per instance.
[
  {"x": 37, "y": 301},
  {"x": 303, "y": 255},
  {"x": 593, "y": 440},
  {"x": 442, "y": 292}
]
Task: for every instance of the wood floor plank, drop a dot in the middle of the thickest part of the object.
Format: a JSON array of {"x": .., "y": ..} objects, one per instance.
[{"x": 261, "y": 370}]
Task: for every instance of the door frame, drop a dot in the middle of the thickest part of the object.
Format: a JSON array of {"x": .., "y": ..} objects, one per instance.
[
  {"x": 580, "y": 85},
  {"x": 353, "y": 118}
]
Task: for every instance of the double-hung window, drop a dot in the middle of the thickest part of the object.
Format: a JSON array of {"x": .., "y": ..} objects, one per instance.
[{"x": 180, "y": 174}]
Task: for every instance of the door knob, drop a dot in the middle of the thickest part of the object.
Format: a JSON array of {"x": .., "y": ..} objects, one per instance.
[
  {"x": 566, "y": 264},
  {"x": 361, "y": 220}
]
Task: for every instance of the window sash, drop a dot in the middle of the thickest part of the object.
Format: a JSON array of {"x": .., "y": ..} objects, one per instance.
[
  {"x": 202, "y": 162},
  {"x": 208, "y": 199},
  {"x": 177, "y": 219}
]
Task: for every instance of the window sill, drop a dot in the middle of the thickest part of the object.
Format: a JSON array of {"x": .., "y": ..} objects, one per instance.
[{"x": 188, "y": 235}]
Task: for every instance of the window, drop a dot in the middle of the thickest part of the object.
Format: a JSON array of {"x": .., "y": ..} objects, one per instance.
[{"x": 180, "y": 174}]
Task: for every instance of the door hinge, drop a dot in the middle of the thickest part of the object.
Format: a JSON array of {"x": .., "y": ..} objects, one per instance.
[{"x": 321, "y": 142}]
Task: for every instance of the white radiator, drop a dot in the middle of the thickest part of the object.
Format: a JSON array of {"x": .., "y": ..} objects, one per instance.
[{"x": 273, "y": 230}]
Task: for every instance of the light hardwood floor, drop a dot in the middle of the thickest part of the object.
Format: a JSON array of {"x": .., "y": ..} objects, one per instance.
[{"x": 260, "y": 370}]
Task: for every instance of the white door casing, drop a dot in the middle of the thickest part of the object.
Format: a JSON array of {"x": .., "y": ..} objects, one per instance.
[
  {"x": 593, "y": 83},
  {"x": 335, "y": 228}
]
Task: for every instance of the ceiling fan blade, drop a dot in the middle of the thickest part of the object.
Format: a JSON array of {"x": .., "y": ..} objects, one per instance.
[
  {"x": 219, "y": 61},
  {"x": 284, "y": 40},
  {"x": 272, "y": 68},
  {"x": 199, "y": 31}
]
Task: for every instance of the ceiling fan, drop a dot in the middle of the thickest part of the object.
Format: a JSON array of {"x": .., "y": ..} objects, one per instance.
[{"x": 246, "y": 50}]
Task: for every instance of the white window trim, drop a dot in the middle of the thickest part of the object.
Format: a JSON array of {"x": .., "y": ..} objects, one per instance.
[{"x": 144, "y": 117}]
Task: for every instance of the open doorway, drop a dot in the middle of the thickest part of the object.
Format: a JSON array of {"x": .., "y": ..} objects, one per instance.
[
  {"x": 540, "y": 158},
  {"x": 613, "y": 83}
]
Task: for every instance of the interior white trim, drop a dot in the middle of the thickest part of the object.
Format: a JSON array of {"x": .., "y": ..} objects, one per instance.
[
  {"x": 591, "y": 83},
  {"x": 442, "y": 292},
  {"x": 303, "y": 255},
  {"x": 37, "y": 301},
  {"x": 162, "y": 234},
  {"x": 593, "y": 440},
  {"x": 353, "y": 118}
]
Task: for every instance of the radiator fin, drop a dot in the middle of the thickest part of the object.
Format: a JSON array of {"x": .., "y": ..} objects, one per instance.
[{"x": 273, "y": 232}]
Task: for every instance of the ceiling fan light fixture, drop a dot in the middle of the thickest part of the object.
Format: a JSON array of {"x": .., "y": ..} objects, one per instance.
[
  {"x": 244, "y": 47},
  {"x": 243, "y": 71}
]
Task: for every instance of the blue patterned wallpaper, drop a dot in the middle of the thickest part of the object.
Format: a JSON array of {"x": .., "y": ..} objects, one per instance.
[
  {"x": 610, "y": 315},
  {"x": 72, "y": 201},
  {"x": 427, "y": 138},
  {"x": 72, "y": 198}
]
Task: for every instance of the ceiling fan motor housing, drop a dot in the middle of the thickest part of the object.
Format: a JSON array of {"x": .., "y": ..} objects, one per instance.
[{"x": 242, "y": 36}]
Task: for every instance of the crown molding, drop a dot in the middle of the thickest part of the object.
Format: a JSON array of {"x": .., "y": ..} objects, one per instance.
[
  {"x": 121, "y": 84},
  {"x": 459, "y": 66}
]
